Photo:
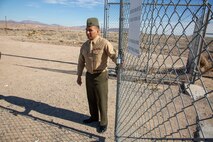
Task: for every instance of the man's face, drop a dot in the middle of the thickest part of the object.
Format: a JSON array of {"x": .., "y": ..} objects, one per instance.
[{"x": 92, "y": 32}]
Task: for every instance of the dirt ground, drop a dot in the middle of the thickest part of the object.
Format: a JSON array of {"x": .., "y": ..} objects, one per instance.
[
  {"x": 39, "y": 97},
  {"x": 39, "y": 80}
]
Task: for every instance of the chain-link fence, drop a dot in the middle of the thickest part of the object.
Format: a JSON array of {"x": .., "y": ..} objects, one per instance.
[
  {"x": 166, "y": 92},
  {"x": 111, "y": 21}
]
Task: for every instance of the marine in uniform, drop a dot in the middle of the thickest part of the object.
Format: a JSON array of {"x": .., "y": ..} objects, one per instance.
[{"x": 94, "y": 55}]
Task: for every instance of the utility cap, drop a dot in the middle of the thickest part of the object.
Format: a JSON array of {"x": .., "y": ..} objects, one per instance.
[{"x": 92, "y": 22}]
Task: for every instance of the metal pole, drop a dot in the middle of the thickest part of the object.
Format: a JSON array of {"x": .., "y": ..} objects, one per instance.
[
  {"x": 105, "y": 18},
  {"x": 150, "y": 40},
  {"x": 104, "y": 29},
  {"x": 205, "y": 18},
  {"x": 119, "y": 64},
  {"x": 6, "y": 24}
]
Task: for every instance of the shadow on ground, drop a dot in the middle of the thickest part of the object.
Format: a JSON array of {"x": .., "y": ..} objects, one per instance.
[
  {"x": 46, "y": 109},
  {"x": 41, "y": 59},
  {"x": 31, "y": 105}
]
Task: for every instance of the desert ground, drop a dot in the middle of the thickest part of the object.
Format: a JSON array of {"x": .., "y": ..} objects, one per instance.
[{"x": 38, "y": 85}]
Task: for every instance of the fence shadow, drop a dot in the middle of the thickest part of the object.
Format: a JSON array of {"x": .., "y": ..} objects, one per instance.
[
  {"x": 41, "y": 59},
  {"x": 51, "y": 70},
  {"x": 60, "y": 126},
  {"x": 31, "y": 105},
  {"x": 111, "y": 72}
]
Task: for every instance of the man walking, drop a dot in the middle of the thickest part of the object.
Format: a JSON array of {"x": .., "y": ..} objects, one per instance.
[{"x": 93, "y": 56}]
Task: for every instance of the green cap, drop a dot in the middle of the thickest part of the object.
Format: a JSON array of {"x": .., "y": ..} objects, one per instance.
[{"x": 92, "y": 22}]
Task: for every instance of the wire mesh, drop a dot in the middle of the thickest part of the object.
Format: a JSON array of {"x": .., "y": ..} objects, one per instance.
[
  {"x": 15, "y": 127},
  {"x": 166, "y": 93},
  {"x": 111, "y": 21}
]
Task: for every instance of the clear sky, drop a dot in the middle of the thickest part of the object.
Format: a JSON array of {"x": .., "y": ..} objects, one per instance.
[
  {"x": 62, "y": 12},
  {"x": 74, "y": 12}
]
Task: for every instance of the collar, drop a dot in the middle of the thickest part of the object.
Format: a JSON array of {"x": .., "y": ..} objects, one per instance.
[{"x": 95, "y": 39}]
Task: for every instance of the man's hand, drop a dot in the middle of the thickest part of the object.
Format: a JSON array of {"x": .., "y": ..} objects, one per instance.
[{"x": 79, "y": 81}]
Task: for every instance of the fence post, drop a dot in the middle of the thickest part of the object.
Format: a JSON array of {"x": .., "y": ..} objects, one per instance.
[
  {"x": 197, "y": 44},
  {"x": 150, "y": 41},
  {"x": 105, "y": 18},
  {"x": 119, "y": 64},
  {"x": 6, "y": 24}
]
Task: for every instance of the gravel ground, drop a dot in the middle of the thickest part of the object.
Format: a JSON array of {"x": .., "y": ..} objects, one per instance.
[{"x": 38, "y": 80}]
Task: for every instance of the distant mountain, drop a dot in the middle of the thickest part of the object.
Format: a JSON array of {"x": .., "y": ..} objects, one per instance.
[
  {"x": 79, "y": 27},
  {"x": 113, "y": 29},
  {"x": 23, "y": 22},
  {"x": 55, "y": 25},
  {"x": 29, "y": 24}
]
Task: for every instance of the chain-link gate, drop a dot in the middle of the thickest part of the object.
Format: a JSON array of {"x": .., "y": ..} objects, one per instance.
[
  {"x": 111, "y": 22},
  {"x": 166, "y": 92}
]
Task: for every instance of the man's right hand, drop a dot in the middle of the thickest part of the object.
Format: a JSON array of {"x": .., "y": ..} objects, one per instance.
[{"x": 79, "y": 81}]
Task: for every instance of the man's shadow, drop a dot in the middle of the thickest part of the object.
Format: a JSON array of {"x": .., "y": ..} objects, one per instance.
[{"x": 46, "y": 109}]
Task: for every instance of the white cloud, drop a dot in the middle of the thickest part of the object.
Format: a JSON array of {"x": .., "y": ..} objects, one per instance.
[
  {"x": 88, "y": 2},
  {"x": 34, "y": 5},
  {"x": 64, "y": 2},
  {"x": 79, "y": 3}
]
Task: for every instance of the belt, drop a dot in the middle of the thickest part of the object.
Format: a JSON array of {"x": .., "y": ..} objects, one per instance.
[{"x": 99, "y": 71}]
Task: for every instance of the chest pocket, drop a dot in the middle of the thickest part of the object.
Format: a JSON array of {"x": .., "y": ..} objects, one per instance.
[
  {"x": 97, "y": 55},
  {"x": 86, "y": 53},
  {"x": 97, "y": 51}
]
